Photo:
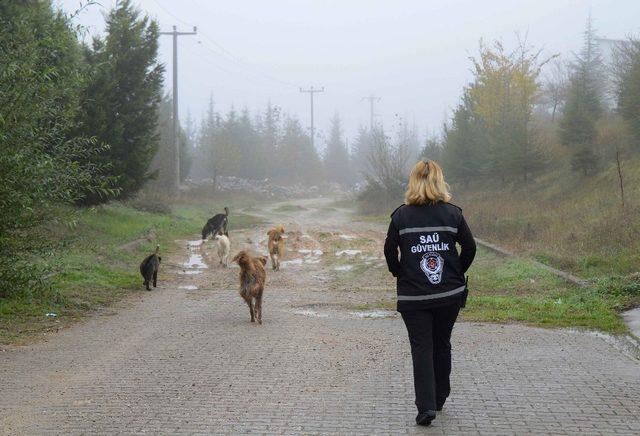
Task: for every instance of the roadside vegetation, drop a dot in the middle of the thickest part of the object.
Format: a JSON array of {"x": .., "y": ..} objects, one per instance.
[
  {"x": 93, "y": 261},
  {"x": 542, "y": 155}
]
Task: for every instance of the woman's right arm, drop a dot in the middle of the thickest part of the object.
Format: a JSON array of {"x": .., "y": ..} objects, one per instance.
[
  {"x": 467, "y": 245},
  {"x": 391, "y": 244}
]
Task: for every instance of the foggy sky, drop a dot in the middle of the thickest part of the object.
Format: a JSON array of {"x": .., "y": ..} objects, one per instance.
[{"x": 411, "y": 53}]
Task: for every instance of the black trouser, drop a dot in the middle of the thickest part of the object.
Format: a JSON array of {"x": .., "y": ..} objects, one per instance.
[{"x": 430, "y": 337}]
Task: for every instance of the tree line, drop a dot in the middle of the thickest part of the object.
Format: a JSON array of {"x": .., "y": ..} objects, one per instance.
[
  {"x": 77, "y": 121},
  {"x": 524, "y": 113}
]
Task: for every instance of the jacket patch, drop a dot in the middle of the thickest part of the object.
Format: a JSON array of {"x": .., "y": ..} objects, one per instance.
[{"x": 432, "y": 265}]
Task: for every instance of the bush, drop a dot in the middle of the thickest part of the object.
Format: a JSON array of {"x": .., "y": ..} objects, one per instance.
[{"x": 151, "y": 203}]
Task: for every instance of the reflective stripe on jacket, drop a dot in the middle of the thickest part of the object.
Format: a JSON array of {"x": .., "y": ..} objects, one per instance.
[{"x": 430, "y": 271}]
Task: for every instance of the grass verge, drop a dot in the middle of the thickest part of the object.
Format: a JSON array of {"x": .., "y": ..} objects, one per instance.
[
  {"x": 505, "y": 290},
  {"x": 95, "y": 264}
]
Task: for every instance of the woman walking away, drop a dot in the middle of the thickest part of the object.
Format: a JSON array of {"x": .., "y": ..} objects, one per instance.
[{"x": 430, "y": 279}]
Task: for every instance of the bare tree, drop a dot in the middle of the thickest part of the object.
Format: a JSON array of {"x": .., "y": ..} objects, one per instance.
[{"x": 555, "y": 88}]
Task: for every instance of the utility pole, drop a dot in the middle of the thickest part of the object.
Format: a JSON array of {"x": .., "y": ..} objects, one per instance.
[
  {"x": 176, "y": 143},
  {"x": 372, "y": 98},
  {"x": 312, "y": 91}
]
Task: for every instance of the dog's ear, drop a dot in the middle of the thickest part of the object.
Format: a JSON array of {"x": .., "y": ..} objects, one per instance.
[
  {"x": 238, "y": 255},
  {"x": 159, "y": 259},
  {"x": 263, "y": 259}
]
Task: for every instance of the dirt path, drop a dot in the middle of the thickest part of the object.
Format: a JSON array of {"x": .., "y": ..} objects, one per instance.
[{"x": 185, "y": 359}]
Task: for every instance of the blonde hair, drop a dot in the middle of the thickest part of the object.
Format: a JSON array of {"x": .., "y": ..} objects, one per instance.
[{"x": 426, "y": 184}]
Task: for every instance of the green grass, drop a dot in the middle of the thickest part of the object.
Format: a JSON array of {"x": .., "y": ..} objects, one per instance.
[
  {"x": 90, "y": 267},
  {"x": 515, "y": 289},
  {"x": 506, "y": 290}
]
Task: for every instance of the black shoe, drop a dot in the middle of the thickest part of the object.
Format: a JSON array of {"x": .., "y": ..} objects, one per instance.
[{"x": 425, "y": 418}]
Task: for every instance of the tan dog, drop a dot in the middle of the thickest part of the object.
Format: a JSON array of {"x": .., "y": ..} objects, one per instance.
[
  {"x": 276, "y": 246},
  {"x": 252, "y": 280},
  {"x": 224, "y": 246}
]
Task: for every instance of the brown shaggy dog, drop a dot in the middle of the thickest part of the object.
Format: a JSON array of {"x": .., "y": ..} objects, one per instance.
[
  {"x": 252, "y": 279},
  {"x": 276, "y": 246}
]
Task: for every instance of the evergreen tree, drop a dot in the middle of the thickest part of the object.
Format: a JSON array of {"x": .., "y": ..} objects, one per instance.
[
  {"x": 163, "y": 164},
  {"x": 408, "y": 135},
  {"x": 628, "y": 85},
  {"x": 465, "y": 145},
  {"x": 336, "y": 159},
  {"x": 270, "y": 137},
  {"x": 187, "y": 147},
  {"x": 121, "y": 103},
  {"x": 361, "y": 150},
  {"x": 218, "y": 153},
  {"x": 584, "y": 105},
  {"x": 432, "y": 150},
  {"x": 299, "y": 160}
]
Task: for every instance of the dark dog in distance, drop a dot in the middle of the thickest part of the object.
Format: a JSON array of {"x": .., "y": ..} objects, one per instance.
[
  {"x": 252, "y": 279},
  {"x": 216, "y": 225},
  {"x": 149, "y": 268}
]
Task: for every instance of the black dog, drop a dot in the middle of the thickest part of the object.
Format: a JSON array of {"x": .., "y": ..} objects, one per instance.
[
  {"x": 149, "y": 268},
  {"x": 217, "y": 224}
]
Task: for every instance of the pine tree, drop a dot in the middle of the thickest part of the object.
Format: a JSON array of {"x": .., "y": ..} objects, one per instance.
[
  {"x": 270, "y": 137},
  {"x": 584, "y": 105},
  {"x": 361, "y": 150},
  {"x": 408, "y": 135},
  {"x": 299, "y": 160},
  {"x": 121, "y": 103},
  {"x": 336, "y": 159},
  {"x": 628, "y": 81},
  {"x": 465, "y": 151},
  {"x": 217, "y": 152}
]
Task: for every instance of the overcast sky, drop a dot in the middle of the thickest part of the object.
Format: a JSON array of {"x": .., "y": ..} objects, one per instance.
[{"x": 413, "y": 54}]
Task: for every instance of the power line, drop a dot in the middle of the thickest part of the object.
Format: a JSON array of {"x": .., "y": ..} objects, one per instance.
[
  {"x": 225, "y": 52},
  {"x": 312, "y": 91}
]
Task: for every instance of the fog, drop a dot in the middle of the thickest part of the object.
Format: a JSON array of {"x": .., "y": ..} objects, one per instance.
[{"x": 412, "y": 54}]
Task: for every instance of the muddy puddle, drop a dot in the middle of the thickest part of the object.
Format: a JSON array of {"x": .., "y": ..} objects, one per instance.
[
  {"x": 195, "y": 261},
  {"x": 327, "y": 310}
]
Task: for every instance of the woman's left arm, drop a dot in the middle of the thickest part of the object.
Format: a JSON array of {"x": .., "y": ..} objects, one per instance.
[
  {"x": 467, "y": 245},
  {"x": 391, "y": 244}
]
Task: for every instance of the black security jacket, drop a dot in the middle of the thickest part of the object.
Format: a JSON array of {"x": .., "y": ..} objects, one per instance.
[{"x": 430, "y": 271}]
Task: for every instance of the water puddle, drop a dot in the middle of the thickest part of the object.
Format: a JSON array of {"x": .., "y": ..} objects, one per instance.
[
  {"x": 291, "y": 262},
  {"x": 328, "y": 310},
  {"x": 376, "y": 313},
  {"x": 348, "y": 253},
  {"x": 348, "y": 237},
  {"x": 195, "y": 261},
  {"x": 190, "y": 272},
  {"x": 188, "y": 287},
  {"x": 194, "y": 244},
  {"x": 309, "y": 312}
]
